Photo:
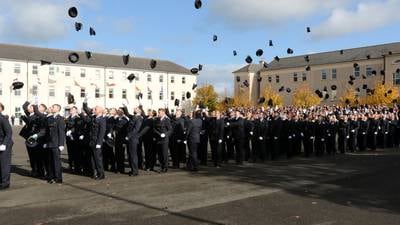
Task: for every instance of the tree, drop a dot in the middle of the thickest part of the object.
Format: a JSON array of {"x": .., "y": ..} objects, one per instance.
[
  {"x": 349, "y": 98},
  {"x": 206, "y": 97},
  {"x": 242, "y": 99},
  {"x": 304, "y": 97},
  {"x": 381, "y": 95},
  {"x": 270, "y": 94}
]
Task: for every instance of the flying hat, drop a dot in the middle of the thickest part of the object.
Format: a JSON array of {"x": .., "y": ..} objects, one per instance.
[
  {"x": 333, "y": 87},
  {"x": 71, "y": 99},
  {"x": 200, "y": 67},
  {"x": 176, "y": 102},
  {"x": 194, "y": 86},
  {"x": 290, "y": 51},
  {"x": 198, "y": 4},
  {"x": 125, "y": 59},
  {"x": 44, "y": 62},
  {"x": 249, "y": 60},
  {"x": 153, "y": 64},
  {"x": 215, "y": 38},
  {"x": 131, "y": 77},
  {"x": 271, "y": 43},
  {"x": 16, "y": 85},
  {"x": 92, "y": 32},
  {"x": 238, "y": 79},
  {"x": 270, "y": 102},
  {"x": 259, "y": 79},
  {"x": 78, "y": 26},
  {"x": 188, "y": 95},
  {"x": 194, "y": 70},
  {"x": 308, "y": 68},
  {"x": 234, "y": 53},
  {"x": 73, "y": 57},
  {"x": 277, "y": 58},
  {"x": 355, "y": 65},
  {"x": 259, "y": 52},
  {"x": 73, "y": 12},
  {"x": 281, "y": 89},
  {"x": 308, "y": 29},
  {"x": 88, "y": 54},
  {"x": 261, "y": 100}
]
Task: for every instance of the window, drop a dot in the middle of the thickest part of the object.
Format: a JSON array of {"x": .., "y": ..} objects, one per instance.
[
  {"x": 368, "y": 71},
  {"x": 324, "y": 74},
  {"x": 183, "y": 96},
  {"x": 357, "y": 71},
  {"x": 97, "y": 93},
  {"x": 137, "y": 77},
  {"x": 183, "y": 80},
  {"x": 172, "y": 95},
  {"x": 161, "y": 78},
  {"x": 67, "y": 72},
  {"x": 35, "y": 70},
  {"x": 148, "y": 77},
  {"x": 161, "y": 95},
  {"x": 270, "y": 79},
  {"x": 277, "y": 79},
  {"x": 17, "y": 68},
  {"x": 98, "y": 76},
  {"x": 304, "y": 77},
  {"x": 148, "y": 94},
  {"x": 396, "y": 78},
  {"x": 111, "y": 75},
  {"x": 18, "y": 112},
  {"x": 333, "y": 95},
  {"x": 111, "y": 93},
  {"x": 34, "y": 90},
  {"x": 124, "y": 94},
  {"x": 1, "y": 89},
  {"x": 83, "y": 73},
  {"x": 295, "y": 77},
  {"x": 334, "y": 74},
  {"x": 67, "y": 91},
  {"x": 52, "y": 91},
  {"x": 83, "y": 92},
  {"x": 1, "y": 67},
  {"x": 172, "y": 79},
  {"x": 51, "y": 71},
  {"x": 17, "y": 92}
]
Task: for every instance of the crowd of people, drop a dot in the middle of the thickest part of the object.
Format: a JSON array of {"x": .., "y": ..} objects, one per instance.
[{"x": 99, "y": 139}]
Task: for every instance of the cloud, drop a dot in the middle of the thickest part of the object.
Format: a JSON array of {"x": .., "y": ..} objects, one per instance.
[
  {"x": 123, "y": 26},
  {"x": 239, "y": 13},
  {"x": 367, "y": 16},
  {"x": 151, "y": 51},
  {"x": 220, "y": 76},
  {"x": 32, "y": 21}
]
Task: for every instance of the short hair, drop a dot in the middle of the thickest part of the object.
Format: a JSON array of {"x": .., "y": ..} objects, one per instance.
[
  {"x": 161, "y": 109},
  {"x": 1, "y": 106},
  {"x": 58, "y": 106},
  {"x": 44, "y": 106}
]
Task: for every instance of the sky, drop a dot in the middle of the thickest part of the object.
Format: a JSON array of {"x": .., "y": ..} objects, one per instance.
[{"x": 174, "y": 30}]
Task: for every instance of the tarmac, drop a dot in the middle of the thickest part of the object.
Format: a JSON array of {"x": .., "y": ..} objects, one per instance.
[{"x": 351, "y": 189}]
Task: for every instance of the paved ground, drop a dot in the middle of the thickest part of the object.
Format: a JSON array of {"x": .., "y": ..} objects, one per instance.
[{"x": 346, "y": 189}]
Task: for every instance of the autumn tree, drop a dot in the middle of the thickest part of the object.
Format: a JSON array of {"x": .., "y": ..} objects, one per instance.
[
  {"x": 381, "y": 95},
  {"x": 206, "y": 97},
  {"x": 270, "y": 94},
  {"x": 304, "y": 97},
  {"x": 349, "y": 98}
]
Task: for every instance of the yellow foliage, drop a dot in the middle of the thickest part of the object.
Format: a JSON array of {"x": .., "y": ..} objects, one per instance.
[
  {"x": 241, "y": 100},
  {"x": 382, "y": 95},
  {"x": 206, "y": 96},
  {"x": 349, "y": 98},
  {"x": 304, "y": 97},
  {"x": 270, "y": 94}
]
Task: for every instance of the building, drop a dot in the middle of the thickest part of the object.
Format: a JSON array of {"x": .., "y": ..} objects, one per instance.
[
  {"x": 321, "y": 71},
  {"x": 102, "y": 77}
]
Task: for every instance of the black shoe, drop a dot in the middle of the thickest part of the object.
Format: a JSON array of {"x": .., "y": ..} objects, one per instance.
[
  {"x": 58, "y": 181},
  {"x": 51, "y": 181},
  {"x": 164, "y": 170},
  {"x": 133, "y": 174},
  {"x": 101, "y": 177}
]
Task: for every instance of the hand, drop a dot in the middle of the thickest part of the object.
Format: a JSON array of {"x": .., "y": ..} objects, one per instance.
[
  {"x": 352, "y": 131},
  {"x": 185, "y": 142},
  {"x": 275, "y": 138},
  {"x": 2, "y": 148},
  {"x": 36, "y": 100},
  {"x": 162, "y": 135},
  {"x": 98, "y": 146},
  {"x": 251, "y": 133},
  {"x": 61, "y": 148},
  {"x": 126, "y": 138},
  {"x": 35, "y": 136},
  {"x": 347, "y": 137},
  {"x": 290, "y": 137},
  {"x": 227, "y": 137},
  {"x": 329, "y": 135},
  {"x": 363, "y": 133},
  {"x": 109, "y": 135},
  {"x": 302, "y": 134},
  {"x": 322, "y": 139},
  {"x": 386, "y": 132},
  {"x": 375, "y": 133},
  {"x": 312, "y": 138},
  {"x": 220, "y": 141},
  {"x": 261, "y": 138},
  {"x": 45, "y": 146},
  {"x": 179, "y": 141},
  {"x": 81, "y": 137},
  {"x": 228, "y": 124},
  {"x": 69, "y": 133}
]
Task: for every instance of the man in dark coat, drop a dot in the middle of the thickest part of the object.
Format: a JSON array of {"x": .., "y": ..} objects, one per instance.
[
  {"x": 238, "y": 132},
  {"x": 146, "y": 135},
  {"x": 6, "y": 144},
  {"x": 162, "y": 131},
  {"x": 194, "y": 127},
  {"x": 132, "y": 138},
  {"x": 178, "y": 146},
  {"x": 217, "y": 125}
]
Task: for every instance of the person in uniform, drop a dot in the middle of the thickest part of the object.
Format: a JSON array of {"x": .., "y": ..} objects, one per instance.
[
  {"x": 362, "y": 133},
  {"x": 132, "y": 138},
  {"x": 217, "y": 125},
  {"x": 6, "y": 144},
  {"x": 194, "y": 127},
  {"x": 146, "y": 135},
  {"x": 109, "y": 160},
  {"x": 97, "y": 131},
  {"x": 332, "y": 130},
  {"x": 178, "y": 146},
  {"x": 353, "y": 133},
  {"x": 343, "y": 133},
  {"x": 162, "y": 131},
  {"x": 54, "y": 143},
  {"x": 238, "y": 132},
  {"x": 121, "y": 125},
  {"x": 203, "y": 147}
]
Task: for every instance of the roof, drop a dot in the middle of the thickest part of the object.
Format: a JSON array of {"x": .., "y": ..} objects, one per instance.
[
  {"x": 19, "y": 52},
  {"x": 250, "y": 68},
  {"x": 349, "y": 55}
]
